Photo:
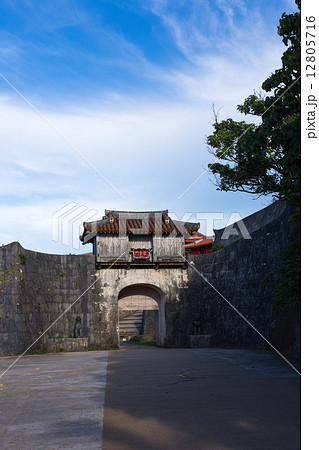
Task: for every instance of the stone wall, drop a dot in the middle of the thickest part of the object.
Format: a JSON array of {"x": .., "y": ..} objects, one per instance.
[
  {"x": 149, "y": 323},
  {"x": 242, "y": 273},
  {"x": 277, "y": 211},
  {"x": 38, "y": 288},
  {"x": 65, "y": 344}
]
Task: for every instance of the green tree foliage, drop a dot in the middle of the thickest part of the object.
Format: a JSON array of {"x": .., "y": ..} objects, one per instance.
[
  {"x": 288, "y": 288},
  {"x": 264, "y": 159}
]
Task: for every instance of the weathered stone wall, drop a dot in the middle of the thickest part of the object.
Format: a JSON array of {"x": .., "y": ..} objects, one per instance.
[
  {"x": 277, "y": 211},
  {"x": 38, "y": 288},
  {"x": 65, "y": 344},
  {"x": 242, "y": 273},
  {"x": 149, "y": 323}
]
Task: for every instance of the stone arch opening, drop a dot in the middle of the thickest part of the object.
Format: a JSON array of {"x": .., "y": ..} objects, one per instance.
[{"x": 140, "y": 306}]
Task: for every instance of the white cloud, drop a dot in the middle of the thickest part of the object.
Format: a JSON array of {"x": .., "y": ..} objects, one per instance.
[
  {"x": 151, "y": 155},
  {"x": 149, "y": 148}
]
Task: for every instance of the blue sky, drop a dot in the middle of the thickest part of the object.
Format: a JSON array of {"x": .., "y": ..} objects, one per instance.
[{"x": 130, "y": 85}]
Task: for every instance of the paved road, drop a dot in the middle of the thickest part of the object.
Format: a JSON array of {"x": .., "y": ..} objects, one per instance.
[
  {"x": 200, "y": 399},
  {"x": 154, "y": 399},
  {"x": 53, "y": 401}
]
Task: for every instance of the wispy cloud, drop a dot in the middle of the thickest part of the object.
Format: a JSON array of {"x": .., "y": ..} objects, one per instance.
[
  {"x": 140, "y": 120},
  {"x": 226, "y": 57}
]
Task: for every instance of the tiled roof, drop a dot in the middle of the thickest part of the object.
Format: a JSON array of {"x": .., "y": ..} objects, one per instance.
[
  {"x": 111, "y": 224},
  {"x": 200, "y": 243},
  {"x": 195, "y": 237}
]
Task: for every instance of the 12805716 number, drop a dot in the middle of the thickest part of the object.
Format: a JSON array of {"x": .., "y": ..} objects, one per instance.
[{"x": 310, "y": 47}]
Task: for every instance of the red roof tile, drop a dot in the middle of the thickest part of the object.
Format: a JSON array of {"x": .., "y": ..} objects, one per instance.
[
  {"x": 157, "y": 220},
  {"x": 201, "y": 243}
]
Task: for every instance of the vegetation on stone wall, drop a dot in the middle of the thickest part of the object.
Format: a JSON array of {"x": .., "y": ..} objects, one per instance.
[
  {"x": 217, "y": 247},
  {"x": 6, "y": 275},
  {"x": 23, "y": 258}
]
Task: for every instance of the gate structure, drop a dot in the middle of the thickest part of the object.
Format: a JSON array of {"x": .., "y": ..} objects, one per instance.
[{"x": 141, "y": 260}]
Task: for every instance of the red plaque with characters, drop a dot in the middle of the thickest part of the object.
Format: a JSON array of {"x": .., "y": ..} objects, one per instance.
[{"x": 141, "y": 253}]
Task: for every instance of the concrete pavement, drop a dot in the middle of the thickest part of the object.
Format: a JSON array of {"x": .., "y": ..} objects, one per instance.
[
  {"x": 153, "y": 399},
  {"x": 198, "y": 399},
  {"x": 53, "y": 401}
]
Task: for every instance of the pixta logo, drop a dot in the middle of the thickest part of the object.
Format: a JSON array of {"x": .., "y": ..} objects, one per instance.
[{"x": 67, "y": 223}]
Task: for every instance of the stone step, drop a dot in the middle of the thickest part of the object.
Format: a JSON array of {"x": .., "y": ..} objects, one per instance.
[
  {"x": 136, "y": 314},
  {"x": 132, "y": 319},
  {"x": 131, "y": 324}
]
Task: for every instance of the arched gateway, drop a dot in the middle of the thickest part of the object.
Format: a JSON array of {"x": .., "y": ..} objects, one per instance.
[
  {"x": 143, "y": 297},
  {"x": 141, "y": 262},
  {"x": 140, "y": 296}
]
